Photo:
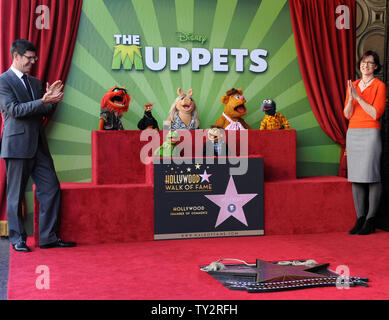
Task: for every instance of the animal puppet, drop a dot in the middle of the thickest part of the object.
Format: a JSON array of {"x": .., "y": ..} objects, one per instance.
[
  {"x": 113, "y": 104},
  {"x": 183, "y": 113},
  {"x": 215, "y": 146},
  {"x": 148, "y": 121},
  {"x": 273, "y": 120},
  {"x": 234, "y": 110},
  {"x": 167, "y": 149}
]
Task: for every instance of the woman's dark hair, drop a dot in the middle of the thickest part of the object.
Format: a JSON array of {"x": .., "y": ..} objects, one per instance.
[
  {"x": 21, "y": 46},
  {"x": 375, "y": 57}
]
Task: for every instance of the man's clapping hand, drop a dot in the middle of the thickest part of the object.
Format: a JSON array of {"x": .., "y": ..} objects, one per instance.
[{"x": 53, "y": 93}]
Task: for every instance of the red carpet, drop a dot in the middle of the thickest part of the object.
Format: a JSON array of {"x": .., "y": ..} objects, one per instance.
[{"x": 169, "y": 270}]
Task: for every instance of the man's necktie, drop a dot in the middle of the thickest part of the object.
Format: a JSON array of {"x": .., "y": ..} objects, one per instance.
[{"x": 27, "y": 83}]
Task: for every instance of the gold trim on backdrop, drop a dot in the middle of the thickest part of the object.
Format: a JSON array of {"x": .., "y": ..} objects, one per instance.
[
  {"x": 4, "y": 228},
  {"x": 370, "y": 29}
]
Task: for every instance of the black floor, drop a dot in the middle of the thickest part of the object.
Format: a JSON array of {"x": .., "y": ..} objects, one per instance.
[{"x": 4, "y": 267}]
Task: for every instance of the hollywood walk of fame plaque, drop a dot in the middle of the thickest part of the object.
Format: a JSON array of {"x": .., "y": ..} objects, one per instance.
[{"x": 199, "y": 199}]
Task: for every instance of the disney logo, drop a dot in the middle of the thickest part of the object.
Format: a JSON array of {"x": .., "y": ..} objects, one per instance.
[{"x": 188, "y": 36}]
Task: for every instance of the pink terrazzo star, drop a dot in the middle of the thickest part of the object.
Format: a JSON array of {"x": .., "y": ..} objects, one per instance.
[{"x": 231, "y": 203}]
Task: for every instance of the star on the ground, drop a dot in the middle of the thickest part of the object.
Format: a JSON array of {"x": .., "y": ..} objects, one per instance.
[
  {"x": 188, "y": 169},
  {"x": 231, "y": 203},
  {"x": 197, "y": 166},
  {"x": 205, "y": 176}
]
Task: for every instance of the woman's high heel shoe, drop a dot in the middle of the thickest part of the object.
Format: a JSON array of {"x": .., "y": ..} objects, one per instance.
[
  {"x": 368, "y": 227},
  {"x": 358, "y": 225}
]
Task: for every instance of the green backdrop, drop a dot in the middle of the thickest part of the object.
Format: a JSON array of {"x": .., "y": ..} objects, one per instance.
[{"x": 245, "y": 24}]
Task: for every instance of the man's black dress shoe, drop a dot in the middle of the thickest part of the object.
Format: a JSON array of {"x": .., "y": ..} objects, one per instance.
[
  {"x": 21, "y": 247},
  {"x": 58, "y": 244}
]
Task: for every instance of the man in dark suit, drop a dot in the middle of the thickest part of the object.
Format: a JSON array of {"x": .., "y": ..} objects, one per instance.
[{"x": 24, "y": 147}]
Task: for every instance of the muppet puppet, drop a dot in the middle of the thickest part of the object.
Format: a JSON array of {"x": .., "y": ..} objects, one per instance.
[
  {"x": 183, "y": 112},
  {"x": 148, "y": 121},
  {"x": 234, "y": 110},
  {"x": 167, "y": 149},
  {"x": 113, "y": 104},
  {"x": 273, "y": 120},
  {"x": 215, "y": 146}
]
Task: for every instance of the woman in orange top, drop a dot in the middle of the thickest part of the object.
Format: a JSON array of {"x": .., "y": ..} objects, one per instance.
[{"x": 364, "y": 106}]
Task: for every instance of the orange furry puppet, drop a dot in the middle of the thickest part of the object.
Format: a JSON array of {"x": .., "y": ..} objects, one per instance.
[
  {"x": 234, "y": 110},
  {"x": 113, "y": 104}
]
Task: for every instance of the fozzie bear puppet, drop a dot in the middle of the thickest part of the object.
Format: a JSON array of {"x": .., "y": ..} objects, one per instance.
[{"x": 234, "y": 110}]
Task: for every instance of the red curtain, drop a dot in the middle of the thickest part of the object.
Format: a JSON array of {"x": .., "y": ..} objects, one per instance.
[
  {"x": 51, "y": 25},
  {"x": 324, "y": 33}
]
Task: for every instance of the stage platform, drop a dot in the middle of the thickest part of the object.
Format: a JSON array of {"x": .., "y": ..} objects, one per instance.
[{"x": 118, "y": 205}]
